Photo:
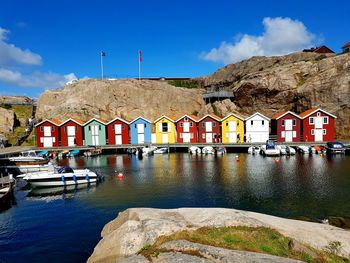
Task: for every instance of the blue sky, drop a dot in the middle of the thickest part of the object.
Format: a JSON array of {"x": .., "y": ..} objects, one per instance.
[{"x": 46, "y": 43}]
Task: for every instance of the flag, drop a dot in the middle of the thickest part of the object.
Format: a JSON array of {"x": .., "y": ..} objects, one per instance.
[
  {"x": 103, "y": 54},
  {"x": 140, "y": 56}
]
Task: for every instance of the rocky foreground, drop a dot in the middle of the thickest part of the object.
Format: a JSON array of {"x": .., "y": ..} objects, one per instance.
[{"x": 123, "y": 237}]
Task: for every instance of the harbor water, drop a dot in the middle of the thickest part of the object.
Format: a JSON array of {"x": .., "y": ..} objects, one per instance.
[{"x": 64, "y": 225}]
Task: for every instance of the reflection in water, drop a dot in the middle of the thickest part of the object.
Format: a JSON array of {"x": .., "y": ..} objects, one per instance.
[{"x": 311, "y": 186}]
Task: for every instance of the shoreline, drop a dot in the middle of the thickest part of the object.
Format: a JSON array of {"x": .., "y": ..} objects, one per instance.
[{"x": 135, "y": 227}]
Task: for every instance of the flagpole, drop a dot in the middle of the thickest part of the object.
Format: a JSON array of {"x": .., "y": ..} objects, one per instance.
[
  {"x": 139, "y": 66},
  {"x": 101, "y": 64}
]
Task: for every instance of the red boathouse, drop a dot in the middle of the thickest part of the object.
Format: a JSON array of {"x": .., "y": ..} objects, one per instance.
[
  {"x": 286, "y": 126},
  {"x": 47, "y": 133},
  {"x": 186, "y": 128},
  {"x": 118, "y": 131},
  {"x": 209, "y": 130},
  {"x": 71, "y": 132},
  {"x": 318, "y": 125}
]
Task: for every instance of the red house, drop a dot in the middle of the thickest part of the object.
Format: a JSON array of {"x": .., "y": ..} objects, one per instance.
[
  {"x": 286, "y": 126},
  {"x": 47, "y": 133},
  {"x": 209, "y": 130},
  {"x": 71, "y": 132},
  {"x": 118, "y": 131},
  {"x": 318, "y": 125},
  {"x": 186, "y": 128}
]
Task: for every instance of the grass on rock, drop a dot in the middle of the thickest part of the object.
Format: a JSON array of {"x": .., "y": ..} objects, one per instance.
[{"x": 254, "y": 239}]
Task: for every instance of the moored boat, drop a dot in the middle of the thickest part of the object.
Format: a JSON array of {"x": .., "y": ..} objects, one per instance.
[
  {"x": 161, "y": 150},
  {"x": 220, "y": 150},
  {"x": 63, "y": 176},
  {"x": 303, "y": 149},
  {"x": 194, "y": 150},
  {"x": 93, "y": 152},
  {"x": 335, "y": 148},
  {"x": 208, "y": 150},
  {"x": 270, "y": 149},
  {"x": 254, "y": 150},
  {"x": 290, "y": 150},
  {"x": 74, "y": 153}
]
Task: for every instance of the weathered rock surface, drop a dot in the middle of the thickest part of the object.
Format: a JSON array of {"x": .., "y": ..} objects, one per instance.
[
  {"x": 15, "y": 100},
  {"x": 295, "y": 82},
  {"x": 135, "y": 227},
  {"x": 7, "y": 121},
  {"x": 128, "y": 99}
]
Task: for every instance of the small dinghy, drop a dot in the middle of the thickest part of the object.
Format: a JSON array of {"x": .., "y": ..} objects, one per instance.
[
  {"x": 335, "y": 148},
  {"x": 220, "y": 150},
  {"x": 208, "y": 150},
  {"x": 161, "y": 150},
  {"x": 254, "y": 150},
  {"x": 62, "y": 176},
  {"x": 194, "y": 150}
]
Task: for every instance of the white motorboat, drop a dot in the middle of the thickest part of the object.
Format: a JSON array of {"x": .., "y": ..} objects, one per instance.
[
  {"x": 270, "y": 149},
  {"x": 63, "y": 176},
  {"x": 290, "y": 150},
  {"x": 283, "y": 149},
  {"x": 303, "y": 149},
  {"x": 208, "y": 150},
  {"x": 25, "y": 158},
  {"x": 148, "y": 150},
  {"x": 254, "y": 150},
  {"x": 20, "y": 169},
  {"x": 161, "y": 150},
  {"x": 194, "y": 150}
]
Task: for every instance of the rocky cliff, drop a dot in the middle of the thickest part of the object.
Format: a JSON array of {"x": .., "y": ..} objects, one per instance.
[
  {"x": 123, "y": 98},
  {"x": 294, "y": 82}
]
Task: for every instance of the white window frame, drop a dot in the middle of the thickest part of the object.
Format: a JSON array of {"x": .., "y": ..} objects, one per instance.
[
  {"x": 294, "y": 122},
  {"x": 318, "y": 114},
  {"x": 311, "y": 122},
  {"x": 325, "y": 118},
  {"x": 324, "y": 132},
  {"x": 283, "y": 122},
  {"x": 181, "y": 124},
  {"x": 312, "y": 132}
]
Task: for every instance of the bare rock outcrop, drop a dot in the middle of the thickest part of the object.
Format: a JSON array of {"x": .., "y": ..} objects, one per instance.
[
  {"x": 294, "y": 82},
  {"x": 135, "y": 227},
  {"x": 7, "y": 121},
  {"x": 15, "y": 100},
  {"x": 128, "y": 99}
]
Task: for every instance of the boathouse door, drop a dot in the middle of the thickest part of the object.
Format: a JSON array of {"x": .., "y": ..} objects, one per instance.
[
  {"x": 47, "y": 131},
  {"x": 141, "y": 138},
  {"x": 118, "y": 139},
  {"x": 209, "y": 136},
  {"x": 186, "y": 137},
  {"x": 232, "y": 137},
  {"x": 289, "y": 136},
  {"x": 318, "y": 133},
  {"x": 94, "y": 134},
  {"x": 186, "y": 127},
  {"x": 208, "y": 126},
  {"x": 232, "y": 126},
  {"x": 165, "y": 138},
  {"x": 71, "y": 141},
  {"x": 48, "y": 141}
]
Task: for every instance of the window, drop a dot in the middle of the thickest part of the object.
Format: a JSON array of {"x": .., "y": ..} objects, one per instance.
[
  {"x": 145, "y": 125},
  {"x": 238, "y": 123},
  {"x": 136, "y": 126},
  {"x": 191, "y": 124},
  {"x": 325, "y": 120},
  {"x": 312, "y": 132},
  {"x": 113, "y": 127},
  {"x": 164, "y": 127},
  {"x": 65, "y": 129},
  {"x": 282, "y": 122},
  {"x": 318, "y": 114},
  {"x": 41, "y": 128},
  {"x": 123, "y": 126},
  {"x": 181, "y": 124},
  {"x": 203, "y": 124},
  {"x": 203, "y": 135},
  {"x": 181, "y": 136},
  {"x": 76, "y": 128},
  {"x": 214, "y": 135},
  {"x": 311, "y": 120},
  {"x": 263, "y": 122},
  {"x": 99, "y": 127},
  {"x": 52, "y": 128},
  {"x": 89, "y": 128},
  {"x": 192, "y": 136},
  {"x": 186, "y": 119},
  {"x": 226, "y": 123},
  {"x": 294, "y": 122},
  {"x": 324, "y": 131},
  {"x": 251, "y": 123},
  {"x": 214, "y": 123}
]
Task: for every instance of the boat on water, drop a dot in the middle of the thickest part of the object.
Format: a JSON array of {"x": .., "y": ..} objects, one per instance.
[
  {"x": 304, "y": 149},
  {"x": 6, "y": 197},
  {"x": 270, "y": 149},
  {"x": 93, "y": 152},
  {"x": 148, "y": 150},
  {"x": 283, "y": 149},
  {"x": 74, "y": 153},
  {"x": 220, "y": 150},
  {"x": 290, "y": 150},
  {"x": 25, "y": 158},
  {"x": 62, "y": 176},
  {"x": 254, "y": 150},
  {"x": 40, "y": 192},
  {"x": 208, "y": 150},
  {"x": 335, "y": 148},
  {"x": 161, "y": 150},
  {"x": 194, "y": 150},
  {"x": 63, "y": 154}
]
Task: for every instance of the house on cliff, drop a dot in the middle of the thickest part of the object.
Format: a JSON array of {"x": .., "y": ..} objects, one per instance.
[
  {"x": 257, "y": 128},
  {"x": 118, "y": 131},
  {"x": 317, "y": 125},
  {"x": 71, "y": 132},
  {"x": 346, "y": 48},
  {"x": 320, "y": 50},
  {"x": 140, "y": 131},
  {"x": 232, "y": 129},
  {"x": 95, "y": 132},
  {"x": 48, "y": 133},
  {"x": 165, "y": 130},
  {"x": 186, "y": 128},
  {"x": 209, "y": 130},
  {"x": 286, "y": 126}
]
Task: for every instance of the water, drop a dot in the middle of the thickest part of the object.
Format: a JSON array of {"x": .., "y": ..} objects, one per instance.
[{"x": 66, "y": 226}]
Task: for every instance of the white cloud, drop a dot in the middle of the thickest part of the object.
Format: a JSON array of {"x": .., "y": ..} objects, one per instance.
[
  {"x": 35, "y": 80},
  {"x": 281, "y": 36},
  {"x": 11, "y": 55}
]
